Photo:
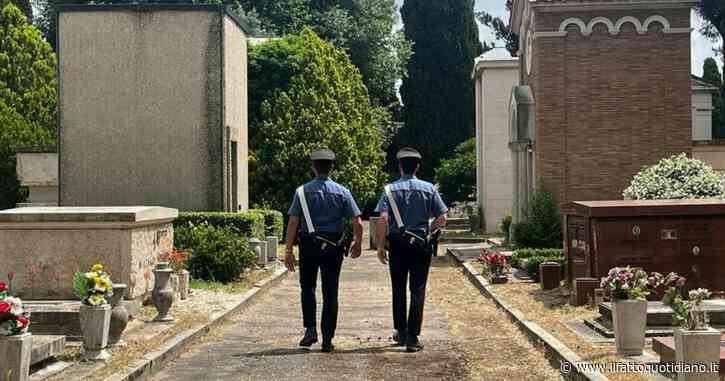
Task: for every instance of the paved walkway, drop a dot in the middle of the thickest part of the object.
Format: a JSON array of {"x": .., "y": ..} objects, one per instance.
[{"x": 466, "y": 337}]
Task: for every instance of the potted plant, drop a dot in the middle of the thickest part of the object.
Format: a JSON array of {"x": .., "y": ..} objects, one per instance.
[
  {"x": 94, "y": 288},
  {"x": 628, "y": 289},
  {"x": 16, "y": 344},
  {"x": 495, "y": 264},
  {"x": 696, "y": 343},
  {"x": 178, "y": 261}
]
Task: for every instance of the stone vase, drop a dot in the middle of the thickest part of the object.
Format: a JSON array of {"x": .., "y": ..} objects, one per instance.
[
  {"x": 15, "y": 354},
  {"x": 630, "y": 322},
  {"x": 183, "y": 284},
  {"x": 175, "y": 283},
  {"x": 95, "y": 326},
  {"x": 256, "y": 246},
  {"x": 119, "y": 315},
  {"x": 700, "y": 347},
  {"x": 163, "y": 294}
]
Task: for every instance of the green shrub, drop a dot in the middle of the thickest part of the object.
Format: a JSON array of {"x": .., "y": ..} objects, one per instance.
[
  {"x": 457, "y": 174},
  {"x": 528, "y": 253},
  {"x": 273, "y": 222},
  {"x": 543, "y": 226},
  {"x": 247, "y": 225},
  {"x": 532, "y": 265},
  {"x": 676, "y": 177},
  {"x": 506, "y": 227},
  {"x": 218, "y": 253}
]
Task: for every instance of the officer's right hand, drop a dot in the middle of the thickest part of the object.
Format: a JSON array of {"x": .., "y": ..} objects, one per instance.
[
  {"x": 383, "y": 256},
  {"x": 289, "y": 261}
]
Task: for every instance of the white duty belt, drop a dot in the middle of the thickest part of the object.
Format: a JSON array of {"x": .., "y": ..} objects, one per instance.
[
  {"x": 305, "y": 209},
  {"x": 394, "y": 207}
]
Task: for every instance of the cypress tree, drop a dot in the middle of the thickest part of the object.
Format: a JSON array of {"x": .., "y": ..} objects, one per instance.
[
  {"x": 711, "y": 74},
  {"x": 438, "y": 93}
]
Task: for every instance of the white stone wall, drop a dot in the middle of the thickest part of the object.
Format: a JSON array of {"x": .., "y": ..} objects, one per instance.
[
  {"x": 494, "y": 81},
  {"x": 701, "y": 115}
]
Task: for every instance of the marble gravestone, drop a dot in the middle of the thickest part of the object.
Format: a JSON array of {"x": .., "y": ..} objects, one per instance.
[{"x": 42, "y": 247}]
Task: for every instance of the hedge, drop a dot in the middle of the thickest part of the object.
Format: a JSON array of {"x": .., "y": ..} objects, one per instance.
[
  {"x": 528, "y": 253},
  {"x": 248, "y": 224},
  {"x": 273, "y": 221}
]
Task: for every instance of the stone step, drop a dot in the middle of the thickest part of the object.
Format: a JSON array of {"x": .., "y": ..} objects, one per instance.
[
  {"x": 658, "y": 314},
  {"x": 665, "y": 347},
  {"x": 458, "y": 223},
  {"x": 59, "y": 317},
  {"x": 45, "y": 347}
]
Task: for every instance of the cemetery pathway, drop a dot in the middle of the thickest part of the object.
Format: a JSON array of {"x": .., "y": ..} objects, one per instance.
[{"x": 466, "y": 337}]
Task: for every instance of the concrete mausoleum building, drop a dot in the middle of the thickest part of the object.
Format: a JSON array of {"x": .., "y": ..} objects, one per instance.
[
  {"x": 611, "y": 91},
  {"x": 152, "y": 107},
  {"x": 494, "y": 80}
]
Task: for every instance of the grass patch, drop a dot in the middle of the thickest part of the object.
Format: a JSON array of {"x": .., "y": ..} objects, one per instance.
[{"x": 229, "y": 288}]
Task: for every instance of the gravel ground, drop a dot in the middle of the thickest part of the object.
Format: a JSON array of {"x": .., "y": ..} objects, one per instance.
[{"x": 466, "y": 337}]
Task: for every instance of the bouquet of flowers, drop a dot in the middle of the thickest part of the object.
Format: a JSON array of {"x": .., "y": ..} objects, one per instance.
[
  {"x": 687, "y": 314},
  {"x": 495, "y": 262},
  {"x": 94, "y": 287},
  {"x": 13, "y": 319},
  {"x": 177, "y": 259},
  {"x": 627, "y": 283}
]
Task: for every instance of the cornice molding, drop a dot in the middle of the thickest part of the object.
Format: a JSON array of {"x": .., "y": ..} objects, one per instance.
[
  {"x": 543, "y": 6},
  {"x": 614, "y": 28}
]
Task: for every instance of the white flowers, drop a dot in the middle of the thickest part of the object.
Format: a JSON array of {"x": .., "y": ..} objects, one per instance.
[
  {"x": 676, "y": 177},
  {"x": 16, "y": 305}
]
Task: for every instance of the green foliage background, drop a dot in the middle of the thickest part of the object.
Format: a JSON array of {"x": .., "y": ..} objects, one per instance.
[
  {"x": 456, "y": 175},
  {"x": 311, "y": 96},
  {"x": 27, "y": 96},
  {"x": 438, "y": 94}
]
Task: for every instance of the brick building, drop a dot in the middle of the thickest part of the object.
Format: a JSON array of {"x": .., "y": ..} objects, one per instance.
[{"x": 605, "y": 89}]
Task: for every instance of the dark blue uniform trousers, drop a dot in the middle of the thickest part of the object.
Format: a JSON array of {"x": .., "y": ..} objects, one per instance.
[
  {"x": 407, "y": 264},
  {"x": 329, "y": 264}
]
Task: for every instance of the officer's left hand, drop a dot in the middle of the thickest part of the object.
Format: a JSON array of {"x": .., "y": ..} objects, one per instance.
[{"x": 356, "y": 249}]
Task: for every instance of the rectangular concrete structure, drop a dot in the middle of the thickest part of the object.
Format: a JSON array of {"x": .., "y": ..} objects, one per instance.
[
  {"x": 494, "y": 80},
  {"x": 44, "y": 246},
  {"x": 152, "y": 107},
  {"x": 37, "y": 169}
]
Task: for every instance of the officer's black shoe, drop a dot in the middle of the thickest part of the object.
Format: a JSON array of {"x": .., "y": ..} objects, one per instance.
[
  {"x": 310, "y": 338},
  {"x": 327, "y": 346},
  {"x": 399, "y": 339},
  {"x": 413, "y": 344}
]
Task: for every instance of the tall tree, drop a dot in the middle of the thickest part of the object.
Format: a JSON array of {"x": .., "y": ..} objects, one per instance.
[
  {"x": 364, "y": 28},
  {"x": 24, "y": 6},
  {"x": 310, "y": 96},
  {"x": 501, "y": 29},
  {"x": 27, "y": 96},
  {"x": 711, "y": 74},
  {"x": 438, "y": 93},
  {"x": 713, "y": 11}
]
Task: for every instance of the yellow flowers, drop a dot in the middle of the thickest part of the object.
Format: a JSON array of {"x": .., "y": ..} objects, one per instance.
[
  {"x": 97, "y": 267},
  {"x": 93, "y": 287},
  {"x": 96, "y": 300}
]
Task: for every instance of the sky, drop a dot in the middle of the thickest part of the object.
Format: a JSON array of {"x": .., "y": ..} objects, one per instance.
[{"x": 701, "y": 46}]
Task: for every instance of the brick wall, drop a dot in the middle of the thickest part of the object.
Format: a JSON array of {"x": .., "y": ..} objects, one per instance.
[{"x": 607, "y": 105}]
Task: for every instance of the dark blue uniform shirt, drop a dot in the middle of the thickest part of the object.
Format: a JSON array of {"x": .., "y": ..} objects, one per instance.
[
  {"x": 418, "y": 201},
  {"x": 328, "y": 202}
]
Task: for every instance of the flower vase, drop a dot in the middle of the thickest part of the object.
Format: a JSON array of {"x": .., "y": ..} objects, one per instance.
[
  {"x": 15, "y": 352},
  {"x": 119, "y": 315},
  {"x": 163, "y": 294},
  {"x": 183, "y": 284},
  {"x": 95, "y": 325},
  {"x": 630, "y": 322},
  {"x": 698, "y": 347}
]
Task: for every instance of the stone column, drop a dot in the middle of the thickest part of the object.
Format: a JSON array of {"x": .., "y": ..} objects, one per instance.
[
  {"x": 373, "y": 227},
  {"x": 15, "y": 357},
  {"x": 272, "y": 247}
]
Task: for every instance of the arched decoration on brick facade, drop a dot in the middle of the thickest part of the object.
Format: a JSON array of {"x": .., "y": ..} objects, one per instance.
[
  {"x": 575, "y": 21},
  {"x": 601, "y": 20},
  {"x": 632, "y": 20},
  {"x": 657, "y": 18}
]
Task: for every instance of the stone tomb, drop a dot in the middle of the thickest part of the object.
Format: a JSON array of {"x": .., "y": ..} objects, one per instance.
[
  {"x": 42, "y": 247},
  {"x": 659, "y": 318},
  {"x": 665, "y": 347}
]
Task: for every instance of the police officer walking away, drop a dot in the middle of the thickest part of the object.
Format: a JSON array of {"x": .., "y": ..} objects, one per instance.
[
  {"x": 321, "y": 205},
  {"x": 406, "y": 207}
]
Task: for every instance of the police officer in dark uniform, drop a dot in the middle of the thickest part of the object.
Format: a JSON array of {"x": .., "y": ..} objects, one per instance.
[
  {"x": 408, "y": 231},
  {"x": 321, "y": 205}
]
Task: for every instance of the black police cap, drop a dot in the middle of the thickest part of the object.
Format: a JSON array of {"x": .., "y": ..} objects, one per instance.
[
  {"x": 322, "y": 154},
  {"x": 408, "y": 152}
]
